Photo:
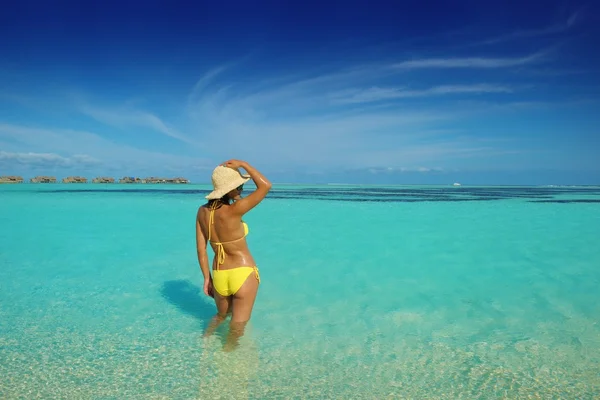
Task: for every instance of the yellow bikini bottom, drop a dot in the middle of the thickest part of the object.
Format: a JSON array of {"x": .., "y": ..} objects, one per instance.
[{"x": 228, "y": 281}]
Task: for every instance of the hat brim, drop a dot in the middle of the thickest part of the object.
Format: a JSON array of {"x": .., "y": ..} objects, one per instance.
[{"x": 217, "y": 194}]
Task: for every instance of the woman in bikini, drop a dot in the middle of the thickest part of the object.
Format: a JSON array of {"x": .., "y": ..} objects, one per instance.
[{"x": 235, "y": 279}]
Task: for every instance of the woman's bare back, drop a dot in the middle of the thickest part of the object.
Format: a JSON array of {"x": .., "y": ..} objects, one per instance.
[{"x": 228, "y": 229}]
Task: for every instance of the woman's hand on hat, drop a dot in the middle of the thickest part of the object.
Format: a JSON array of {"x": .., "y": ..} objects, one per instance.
[{"x": 235, "y": 164}]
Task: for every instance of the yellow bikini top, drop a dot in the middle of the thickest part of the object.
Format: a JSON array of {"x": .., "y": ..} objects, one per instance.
[{"x": 220, "y": 250}]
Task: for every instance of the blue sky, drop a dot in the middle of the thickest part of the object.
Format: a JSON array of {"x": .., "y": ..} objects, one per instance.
[{"x": 378, "y": 92}]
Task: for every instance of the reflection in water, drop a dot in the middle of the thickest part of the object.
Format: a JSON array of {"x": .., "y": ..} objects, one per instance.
[
  {"x": 227, "y": 375},
  {"x": 225, "y": 372}
]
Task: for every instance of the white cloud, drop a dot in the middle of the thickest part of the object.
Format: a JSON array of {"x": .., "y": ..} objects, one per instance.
[
  {"x": 469, "y": 62},
  {"x": 46, "y": 145},
  {"x": 204, "y": 81},
  {"x": 377, "y": 94},
  {"x": 561, "y": 27},
  {"x": 123, "y": 118},
  {"x": 47, "y": 159},
  {"x": 331, "y": 139},
  {"x": 325, "y": 120}
]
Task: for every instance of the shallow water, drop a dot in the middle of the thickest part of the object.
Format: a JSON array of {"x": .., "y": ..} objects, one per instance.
[{"x": 367, "y": 292}]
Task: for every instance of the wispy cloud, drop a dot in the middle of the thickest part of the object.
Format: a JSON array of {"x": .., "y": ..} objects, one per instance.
[
  {"x": 63, "y": 146},
  {"x": 444, "y": 150},
  {"x": 126, "y": 118},
  {"x": 377, "y": 93},
  {"x": 348, "y": 117},
  {"x": 469, "y": 62},
  {"x": 325, "y": 121},
  {"x": 204, "y": 81},
  {"x": 561, "y": 27},
  {"x": 47, "y": 159}
]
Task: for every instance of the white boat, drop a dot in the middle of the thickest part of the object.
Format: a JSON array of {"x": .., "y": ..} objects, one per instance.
[{"x": 456, "y": 184}]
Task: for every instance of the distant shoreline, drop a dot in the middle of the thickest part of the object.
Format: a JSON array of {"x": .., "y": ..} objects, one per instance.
[{"x": 13, "y": 179}]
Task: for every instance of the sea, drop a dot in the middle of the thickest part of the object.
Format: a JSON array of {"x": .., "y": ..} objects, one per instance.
[{"x": 367, "y": 292}]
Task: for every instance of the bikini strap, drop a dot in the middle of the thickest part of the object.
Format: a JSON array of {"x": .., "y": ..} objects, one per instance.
[
  {"x": 211, "y": 221},
  {"x": 220, "y": 250}
]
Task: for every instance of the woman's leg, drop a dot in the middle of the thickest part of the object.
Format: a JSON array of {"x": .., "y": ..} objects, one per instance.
[
  {"x": 224, "y": 307},
  {"x": 243, "y": 302}
]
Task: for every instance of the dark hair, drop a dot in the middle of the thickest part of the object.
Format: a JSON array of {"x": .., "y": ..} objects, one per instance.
[{"x": 217, "y": 203}]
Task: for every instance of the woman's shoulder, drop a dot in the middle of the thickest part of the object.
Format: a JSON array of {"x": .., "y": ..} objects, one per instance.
[{"x": 203, "y": 208}]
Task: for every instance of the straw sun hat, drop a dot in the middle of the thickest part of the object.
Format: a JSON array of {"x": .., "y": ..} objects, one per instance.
[{"x": 224, "y": 180}]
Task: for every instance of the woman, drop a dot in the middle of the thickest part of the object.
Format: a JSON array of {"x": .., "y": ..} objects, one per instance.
[{"x": 235, "y": 278}]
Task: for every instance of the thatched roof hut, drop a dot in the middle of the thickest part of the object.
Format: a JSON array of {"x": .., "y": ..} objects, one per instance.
[
  {"x": 11, "y": 179},
  {"x": 74, "y": 179},
  {"x": 165, "y": 180},
  {"x": 130, "y": 179},
  {"x": 103, "y": 179},
  {"x": 43, "y": 179},
  {"x": 179, "y": 180}
]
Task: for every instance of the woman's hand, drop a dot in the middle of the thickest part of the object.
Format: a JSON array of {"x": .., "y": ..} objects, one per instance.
[
  {"x": 235, "y": 164},
  {"x": 208, "y": 287}
]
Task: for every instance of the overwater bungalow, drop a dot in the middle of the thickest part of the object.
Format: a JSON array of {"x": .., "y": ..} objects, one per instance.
[
  {"x": 43, "y": 179},
  {"x": 153, "y": 179},
  {"x": 103, "y": 179},
  {"x": 130, "y": 179},
  {"x": 166, "y": 180},
  {"x": 11, "y": 179},
  {"x": 180, "y": 180},
  {"x": 74, "y": 179}
]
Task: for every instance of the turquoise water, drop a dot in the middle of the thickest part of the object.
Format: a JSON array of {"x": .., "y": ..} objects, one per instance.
[{"x": 367, "y": 293}]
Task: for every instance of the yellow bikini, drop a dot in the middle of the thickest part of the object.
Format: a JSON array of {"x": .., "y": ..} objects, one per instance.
[{"x": 228, "y": 281}]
